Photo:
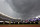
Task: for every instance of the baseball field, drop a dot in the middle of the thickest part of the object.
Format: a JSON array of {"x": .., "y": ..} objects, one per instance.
[{"x": 20, "y": 25}]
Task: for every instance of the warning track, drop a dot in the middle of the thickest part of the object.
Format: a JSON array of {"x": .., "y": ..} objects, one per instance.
[{"x": 19, "y": 25}]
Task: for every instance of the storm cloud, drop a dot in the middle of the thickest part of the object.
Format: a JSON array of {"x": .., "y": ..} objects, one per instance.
[{"x": 24, "y": 8}]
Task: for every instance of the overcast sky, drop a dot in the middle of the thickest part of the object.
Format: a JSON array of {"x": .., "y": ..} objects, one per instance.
[
  {"x": 20, "y": 8},
  {"x": 5, "y": 8}
]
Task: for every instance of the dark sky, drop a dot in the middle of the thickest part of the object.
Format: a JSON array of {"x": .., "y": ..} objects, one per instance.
[{"x": 23, "y": 8}]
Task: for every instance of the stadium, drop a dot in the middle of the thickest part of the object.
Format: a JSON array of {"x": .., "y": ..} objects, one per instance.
[
  {"x": 19, "y": 13},
  {"x": 5, "y": 19}
]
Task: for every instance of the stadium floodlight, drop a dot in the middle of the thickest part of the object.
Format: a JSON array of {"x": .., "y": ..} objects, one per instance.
[{"x": 38, "y": 16}]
